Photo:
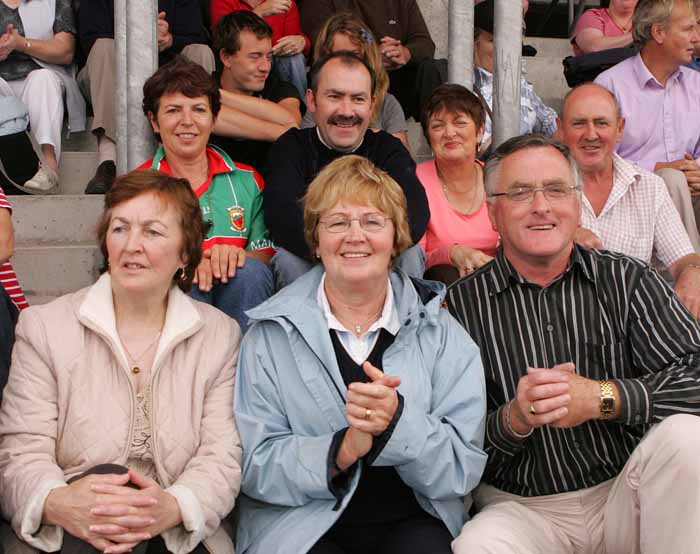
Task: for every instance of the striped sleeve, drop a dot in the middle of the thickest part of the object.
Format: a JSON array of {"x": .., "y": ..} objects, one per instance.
[
  {"x": 8, "y": 278},
  {"x": 665, "y": 346}
]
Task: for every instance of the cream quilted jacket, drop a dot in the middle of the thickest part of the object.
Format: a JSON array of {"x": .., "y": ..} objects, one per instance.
[{"x": 69, "y": 405}]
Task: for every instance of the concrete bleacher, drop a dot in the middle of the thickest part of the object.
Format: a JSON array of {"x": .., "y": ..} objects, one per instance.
[{"x": 55, "y": 249}]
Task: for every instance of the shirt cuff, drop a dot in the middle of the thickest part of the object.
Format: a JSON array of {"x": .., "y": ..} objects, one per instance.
[
  {"x": 186, "y": 536},
  {"x": 338, "y": 481},
  {"x": 635, "y": 402},
  {"x": 498, "y": 436},
  {"x": 380, "y": 442}
]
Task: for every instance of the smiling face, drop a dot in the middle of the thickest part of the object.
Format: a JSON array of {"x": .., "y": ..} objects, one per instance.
[
  {"x": 144, "y": 245},
  {"x": 540, "y": 233},
  {"x": 453, "y": 136},
  {"x": 184, "y": 125},
  {"x": 342, "y": 104},
  {"x": 356, "y": 258},
  {"x": 247, "y": 70},
  {"x": 591, "y": 127}
]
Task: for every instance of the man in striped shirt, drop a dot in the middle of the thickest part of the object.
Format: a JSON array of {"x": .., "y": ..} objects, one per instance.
[{"x": 593, "y": 379}]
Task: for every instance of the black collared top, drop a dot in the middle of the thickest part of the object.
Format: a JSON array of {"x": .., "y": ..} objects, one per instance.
[{"x": 616, "y": 319}]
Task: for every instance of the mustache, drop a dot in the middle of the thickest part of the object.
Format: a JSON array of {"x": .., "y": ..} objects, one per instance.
[{"x": 344, "y": 120}]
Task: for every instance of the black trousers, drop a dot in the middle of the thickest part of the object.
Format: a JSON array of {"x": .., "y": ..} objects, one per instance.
[
  {"x": 413, "y": 84},
  {"x": 74, "y": 545},
  {"x": 421, "y": 534},
  {"x": 8, "y": 319}
]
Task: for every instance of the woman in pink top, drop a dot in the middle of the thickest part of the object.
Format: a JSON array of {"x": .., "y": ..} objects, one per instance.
[
  {"x": 460, "y": 237},
  {"x": 604, "y": 28}
]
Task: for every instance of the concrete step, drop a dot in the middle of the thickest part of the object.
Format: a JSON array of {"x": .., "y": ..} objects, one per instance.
[
  {"x": 84, "y": 141},
  {"x": 550, "y": 47},
  {"x": 75, "y": 170},
  {"x": 51, "y": 270},
  {"x": 547, "y": 76},
  {"x": 56, "y": 219}
]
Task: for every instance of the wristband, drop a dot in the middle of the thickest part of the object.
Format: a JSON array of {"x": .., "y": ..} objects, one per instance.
[{"x": 509, "y": 426}]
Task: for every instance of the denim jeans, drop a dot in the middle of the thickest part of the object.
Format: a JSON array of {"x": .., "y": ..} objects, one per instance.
[
  {"x": 293, "y": 70},
  {"x": 288, "y": 267},
  {"x": 251, "y": 286}
]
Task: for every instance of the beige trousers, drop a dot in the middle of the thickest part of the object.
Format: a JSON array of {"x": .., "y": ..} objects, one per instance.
[
  {"x": 687, "y": 206},
  {"x": 97, "y": 80},
  {"x": 651, "y": 507}
]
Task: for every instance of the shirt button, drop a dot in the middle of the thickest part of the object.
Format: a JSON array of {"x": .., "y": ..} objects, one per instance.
[
  {"x": 577, "y": 445},
  {"x": 422, "y": 315},
  {"x": 550, "y": 327},
  {"x": 407, "y": 322}
]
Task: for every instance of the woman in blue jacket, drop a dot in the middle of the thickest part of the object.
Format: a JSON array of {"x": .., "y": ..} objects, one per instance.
[{"x": 360, "y": 401}]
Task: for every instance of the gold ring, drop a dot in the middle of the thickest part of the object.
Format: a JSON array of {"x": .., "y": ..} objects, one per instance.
[
  {"x": 368, "y": 413},
  {"x": 532, "y": 409}
]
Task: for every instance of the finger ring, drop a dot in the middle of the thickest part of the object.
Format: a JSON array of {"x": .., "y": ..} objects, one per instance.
[
  {"x": 368, "y": 413},
  {"x": 532, "y": 409}
]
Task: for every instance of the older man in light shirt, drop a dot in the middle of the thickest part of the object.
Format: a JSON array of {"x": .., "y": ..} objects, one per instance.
[
  {"x": 660, "y": 102},
  {"x": 624, "y": 207}
]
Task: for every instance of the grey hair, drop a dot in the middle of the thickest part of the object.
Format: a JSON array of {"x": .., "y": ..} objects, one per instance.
[
  {"x": 649, "y": 13},
  {"x": 522, "y": 142}
]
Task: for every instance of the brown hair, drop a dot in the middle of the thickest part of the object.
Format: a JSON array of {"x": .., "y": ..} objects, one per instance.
[
  {"x": 347, "y": 24},
  {"x": 227, "y": 33},
  {"x": 453, "y": 99},
  {"x": 183, "y": 76},
  {"x": 357, "y": 180},
  {"x": 171, "y": 191}
]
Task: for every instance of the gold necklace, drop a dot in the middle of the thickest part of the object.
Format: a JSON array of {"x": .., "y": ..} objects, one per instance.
[
  {"x": 134, "y": 360},
  {"x": 446, "y": 189},
  {"x": 371, "y": 319}
]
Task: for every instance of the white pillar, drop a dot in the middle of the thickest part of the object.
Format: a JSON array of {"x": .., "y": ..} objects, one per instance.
[
  {"x": 461, "y": 43},
  {"x": 508, "y": 38},
  {"x": 136, "y": 46}
]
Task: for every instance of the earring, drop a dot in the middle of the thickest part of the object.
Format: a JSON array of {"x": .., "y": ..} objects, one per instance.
[{"x": 183, "y": 274}]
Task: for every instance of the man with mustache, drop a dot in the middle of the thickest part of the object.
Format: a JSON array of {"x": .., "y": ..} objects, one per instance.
[
  {"x": 342, "y": 99},
  {"x": 659, "y": 99},
  {"x": 625, "y": 208},
  {"x": 592, "y": 370}
]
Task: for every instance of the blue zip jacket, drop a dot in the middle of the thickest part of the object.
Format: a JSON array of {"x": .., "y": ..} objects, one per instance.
[{"x": 290, "y": 401}]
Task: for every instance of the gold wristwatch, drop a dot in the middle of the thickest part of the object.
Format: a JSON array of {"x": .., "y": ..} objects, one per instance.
[{"x": 607, "y": 400}]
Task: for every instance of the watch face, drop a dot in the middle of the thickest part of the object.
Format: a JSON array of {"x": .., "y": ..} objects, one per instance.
[{"x": 607, "y": 404}]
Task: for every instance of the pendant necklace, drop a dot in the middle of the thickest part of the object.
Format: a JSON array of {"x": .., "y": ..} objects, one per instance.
[
  {"x": 134, "y": 360},
  {"x": 358, "y": 327}
]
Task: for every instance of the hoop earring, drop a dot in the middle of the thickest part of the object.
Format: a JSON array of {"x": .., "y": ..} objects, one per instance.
[{"x": 183, "y": 274}]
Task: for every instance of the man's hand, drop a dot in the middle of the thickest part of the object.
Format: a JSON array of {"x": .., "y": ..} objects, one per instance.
[
  {"x": 394, "y": 54},
  {"x": 372, "y": 406},
  {"x": 218, "y": 262},
  {"x": 548, "y": 391},
  {"x": 689, "y": 167},
  {"x": 688, "y": 289},
  {"x": 587, "y": 238},
  {"x": 585, "y": 400},
  {"x": 272, "y": 7},
  {"x": 165, "y": 38},
  {"x": 289, "y": 46},
  {"x": 9, "y": 41}
]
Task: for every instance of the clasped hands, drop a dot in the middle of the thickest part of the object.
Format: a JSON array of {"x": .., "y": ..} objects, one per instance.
[
  {"x": 370, "y": 407},
  {"x": 9, "y": 41},
  {"x": 218, "y": 262},
  {"x": 394, "y": 54},
  {"x": 111, "y": 516},
  {"x": 559, "y": 397}
]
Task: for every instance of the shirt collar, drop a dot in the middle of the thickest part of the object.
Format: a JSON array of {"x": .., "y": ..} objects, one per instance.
[
  {"x": 388, "y": 319},
  {"x": 644, "y": 76},
  {"x": 504, "y": 274},
  {"x": 318, "y": 134},
  {"x": 217, "y": 164}
]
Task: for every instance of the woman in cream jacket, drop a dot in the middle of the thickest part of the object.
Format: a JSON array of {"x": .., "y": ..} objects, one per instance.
[{"x": 117, "y": 426}]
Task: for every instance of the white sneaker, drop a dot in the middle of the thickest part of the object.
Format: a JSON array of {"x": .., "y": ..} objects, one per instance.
[{"x": 45, "y": 181}]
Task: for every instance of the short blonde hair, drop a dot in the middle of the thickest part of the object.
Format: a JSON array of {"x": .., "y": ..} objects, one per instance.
[
  {"x": 356, "y": 180},
  {"x": 649, "y": 13}
]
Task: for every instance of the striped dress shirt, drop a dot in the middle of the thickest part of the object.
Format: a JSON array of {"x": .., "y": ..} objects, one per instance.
[{"x": 613, "y": 317}]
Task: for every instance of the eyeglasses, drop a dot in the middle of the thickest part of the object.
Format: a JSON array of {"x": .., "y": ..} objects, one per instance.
[
  {"x": 552, "y": 192},
  {"x": 371, "y": 223}
]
